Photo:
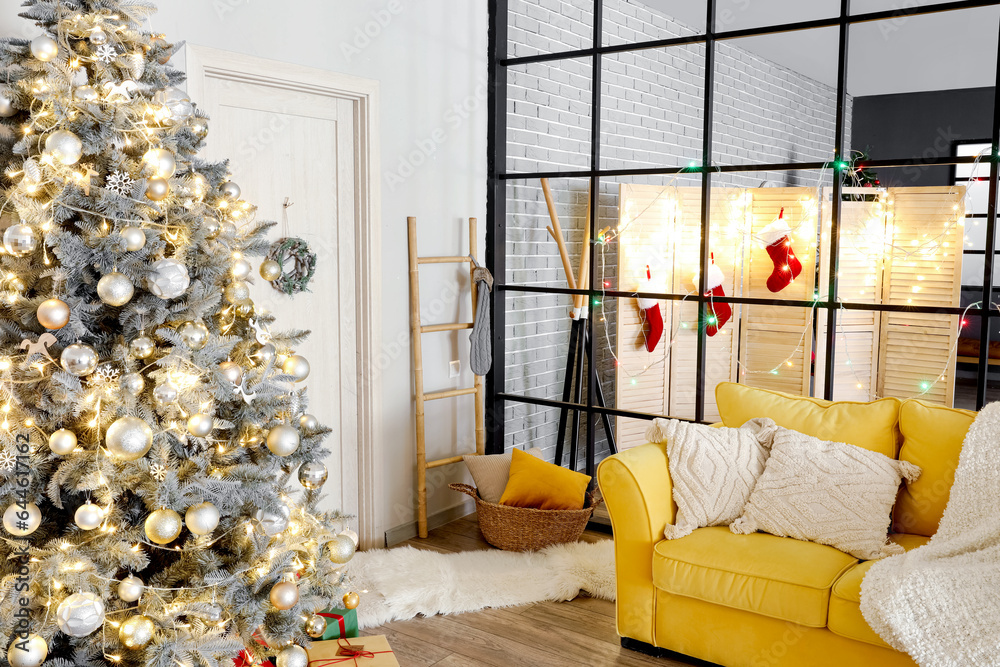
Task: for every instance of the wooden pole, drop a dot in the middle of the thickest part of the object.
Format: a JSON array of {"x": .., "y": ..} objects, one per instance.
[
  {"x": 556, "y": 232},
  {"x": 584, "y": 279},
  {"x": 480, "y": 388},
  {"x": 418, "y": 377}
]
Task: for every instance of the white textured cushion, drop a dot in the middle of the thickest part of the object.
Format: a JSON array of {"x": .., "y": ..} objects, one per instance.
[
  {"x": 713, "y": 469},
  {"x": 827, "y": 492},
  {"x": 491, "y": 472}
]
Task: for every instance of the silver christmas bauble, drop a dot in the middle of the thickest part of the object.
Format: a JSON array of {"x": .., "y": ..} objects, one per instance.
[
  {"x": 264, "y": 354},
  {"x": 284, "y": 595},
  {"x": 160, "y": 162},
  {"x": 211, "y": 226},
  {"x": 200, "y": 424},
  {"x": 53, "y": 313},
  {"x": 22, "y": 521},
  {"x": 227, "y": 229},
  {"x": 193, "y": 334},
  {"x": 282, "y": 440},
  {"x": 98, "y": 37},
  {"x": 163, "y": 526},
  {"x": 137, "y": 631},
  {"x": 115, "y": 289},
  {"x": 210, "y": 612},
  {"x": 132, "y": 383},
  {"x": 202, "y": 519},
  {"x": 64, "y": 147},
  {"x": 230, "y": 190},
  {"x": 19, "y": 240},
  {"x": 88, "y": 516},
  {"x": 80, "y": 614},
  {"x": 232, "y": 371},
  {"x": 176, "y": 101},
  {"x": 129, "y": 438},
  {"x": 168, "y": 278},
  {"x": 274, "y": 522},
  {"x": 199, "y": 127},
  {"x": 165, "y": 393},
  {"x": 79, "y": 359},
  {"x": 44, "y": 48},
  {"x": 315, "y": 626},
  {"x": 86, "y": 94},
  {"x": 237, "y": 292},
  {"x": 135, "y": 238},
  {"x": 30, "y": 652},
  {"x": 292, "y": 656},
  {"x": 297, "y": 366},
  {"x": 270, "y": 270},
  {"x": 312, "y": 475},
  {"x": 157, "y": 189},
  {"x": 142, "y": 347},
  {"x": 130, "y": 588},
  {"x": 340, "y": 549},
  {"x": 308, "y": 423},
  {"x": 62, "y": 442},
  {"x": 241, "y": 269},
  {"x": 6, "y": 106}
]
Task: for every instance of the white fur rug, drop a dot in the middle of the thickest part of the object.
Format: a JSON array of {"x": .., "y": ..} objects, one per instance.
[{"x": 404, "y": 582}]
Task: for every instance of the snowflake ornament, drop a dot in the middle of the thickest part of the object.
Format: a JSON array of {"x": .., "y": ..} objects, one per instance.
[
  {"x": 7, "y": 460},
  {"x": 120, "y": 183},
  {"x": 106, "y": 374},
  {"x": 106, "y": 53},
  {"x": 157, "y": 472}
]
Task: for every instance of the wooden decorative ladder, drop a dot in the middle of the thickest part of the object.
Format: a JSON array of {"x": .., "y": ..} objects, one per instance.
[{"x": 417, "y": 328}]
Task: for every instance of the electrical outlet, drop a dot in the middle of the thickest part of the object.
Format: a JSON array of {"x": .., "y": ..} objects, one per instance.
[{"x": 454, "y": 368}]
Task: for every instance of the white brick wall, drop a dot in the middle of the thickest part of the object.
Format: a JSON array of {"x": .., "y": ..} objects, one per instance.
[{"x": 651, "y": 117}]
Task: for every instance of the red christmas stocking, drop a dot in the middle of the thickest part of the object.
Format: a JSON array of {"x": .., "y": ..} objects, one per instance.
[
  {"x": 651, "y": 311},
  {"x": 719, "y": 313},
  {"x": 787, "y": 266}
]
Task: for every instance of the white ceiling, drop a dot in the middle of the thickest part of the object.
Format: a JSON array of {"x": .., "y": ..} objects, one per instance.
[{"x": 907, "y": 54}]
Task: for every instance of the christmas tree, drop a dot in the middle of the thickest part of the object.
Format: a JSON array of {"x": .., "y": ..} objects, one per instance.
[{"x": 151, "y": 423}]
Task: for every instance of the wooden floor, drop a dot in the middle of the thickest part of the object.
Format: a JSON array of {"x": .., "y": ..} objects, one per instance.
[{"x": 577, "y": 633}]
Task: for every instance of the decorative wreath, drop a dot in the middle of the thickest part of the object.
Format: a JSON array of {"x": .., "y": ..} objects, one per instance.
[{"x": 297, "y": 264}]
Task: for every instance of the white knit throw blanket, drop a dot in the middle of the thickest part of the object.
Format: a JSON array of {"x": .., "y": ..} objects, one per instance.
[{"x": 940, "y": 603}]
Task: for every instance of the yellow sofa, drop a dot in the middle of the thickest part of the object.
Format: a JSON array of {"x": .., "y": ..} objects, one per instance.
[{"x": 756, "y": 600}]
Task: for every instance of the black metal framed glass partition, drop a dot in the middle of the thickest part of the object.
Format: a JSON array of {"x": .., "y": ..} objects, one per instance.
[{"x": 684, "y": 193}]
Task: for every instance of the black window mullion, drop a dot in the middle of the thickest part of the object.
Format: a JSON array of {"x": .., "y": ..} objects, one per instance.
[
  {"x": 595, "y": 184},
  {"x": 991, "y": 223}
]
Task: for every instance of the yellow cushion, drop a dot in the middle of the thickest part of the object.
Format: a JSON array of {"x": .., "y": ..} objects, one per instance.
[
  {"x": 774, "y": 576},
  {"x": 845, "y": 603},
  {"x": 872, "y": 425},
  {"x": 932, "y": 439},
  {"x": 540, "y": 484}
]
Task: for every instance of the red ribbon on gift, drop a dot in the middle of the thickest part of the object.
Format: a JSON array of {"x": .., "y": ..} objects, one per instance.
[
  {"x": 349, "y": 654},
  {"x": 340, "y": 621}
]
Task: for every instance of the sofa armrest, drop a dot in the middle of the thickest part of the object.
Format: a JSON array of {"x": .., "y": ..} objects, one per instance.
[{"x": 636, "y": 486}]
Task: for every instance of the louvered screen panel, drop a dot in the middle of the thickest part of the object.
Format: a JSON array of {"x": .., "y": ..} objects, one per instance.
[{"x": 923, "y": 269}]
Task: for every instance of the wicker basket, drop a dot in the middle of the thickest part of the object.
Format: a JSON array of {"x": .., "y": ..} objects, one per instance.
[{"x": 525, "y": 528}]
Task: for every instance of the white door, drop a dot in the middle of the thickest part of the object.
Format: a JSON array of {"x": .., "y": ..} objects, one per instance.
[{"x": 299, "y": 143}]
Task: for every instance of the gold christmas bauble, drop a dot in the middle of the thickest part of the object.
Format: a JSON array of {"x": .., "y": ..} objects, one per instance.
[
  {"x": 79, "y": 359},
  {"x": 88, "y": 516},
  {"x": 270, "y": 270},
  {"x": 283, "y": 440},
  {"x": 129, "y": 438},
  {"x": 62, "y": 442},
  {"x": 297, "y": 366},
  {"x": 163, "y": 526},
  {"x": 157, "y": 189},
  {"x": 137, "y": 631},
  {"x": 130, "y": 588},
  {"x": 53, "y": 313},
  {"x": 30, "y": 652},
  {"x": 44, "y": 48},
  {"x": 200, "y": 424},
  {"x": 241, "y": 269},
  {"x": 202, "y": 519},
  {"x": 142, "y": 347},
  {"x": 22, "y": 521},
  {"x": 308, "y": 422},
  {"x": 194, "y": 334},
  {"x": 284, "y": 595},
  {"x": 237, "y": 292},
  {"x": 199, "y": 126},
  {"x": 351, "y": 600},
  {"x": 341, "y": 549},
  {"x": 160, "y": 162},
  {"x": 232, "y": 371},
  {"x": 7, "y": 108},
  {"x": 315, "y": 626},
  {"x": 292, "y": 656},
  {"x": 115, "y": 289},
  {"x": 133, "y": 383},
  {"x": 264, "y": 354},
  {"x": 245, "y": 309},
  {"x": 135, "y": 238},
  {"x": 312, "y": 475}
]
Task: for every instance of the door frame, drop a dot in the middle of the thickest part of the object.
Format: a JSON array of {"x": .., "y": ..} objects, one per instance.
[{"x": 202, "y": 62}]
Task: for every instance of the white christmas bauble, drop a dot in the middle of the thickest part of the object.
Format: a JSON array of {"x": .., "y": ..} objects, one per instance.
[
  {"x": 133, "y": 383},
  {"x": 130, "y": 588},
  {"x": 200, "y": 424},
  {"x": 86, "y": 94},
  {"x": 53, "y": 314},
  {"x": 142, "y": 347},
  {"x": 176, "y": 101},
  {"x": 115, "y": 289},
  {"x": 19, "y": 240},
  {"x": 88, "y": 516},
  {"x": 292, "y": 656},
  {"x": 211, "y": 226},
  {"x": 194, "y": 334},
  {"x": 274, "y": 522},
  {"x": 6, "y": 106},
  {"x": 157, "y": 189},
  {"x": 232, "y": 371},
  {"x": 160, "y": 162},
  {"x": 62, "y": 442},
  {"x": 79, "y": 359},
  {"x": 21, "y": 522},
  {"x": 80, "y": 614},
  {"x": 135, "y": 238},
  {"x": 168, "y": 278},
  {"x": 129, "y": 438},
  {"x": 351, "y": 534},
  {"x": 44, "y": 48},
  {"x": 163, "y": 526},
  {"x": 297, "y": 366},
  {"x": 241, "y": 269},
  {"x": 284, "y": 595},
  {"x": 165, "y": 393},
  {"x": 230, "y": 190},
  {"x": 30, "y": 652},
  {"x": 98, "y": 37},
  {"x": 312, "y": 475},
  {"x": 341, "y": 549},
  {"x": 283, "y": 440},
  {"x": 308, "y": 423},
  {"x": 64, "y": 146},
  {"x": 202, "y": 519}
]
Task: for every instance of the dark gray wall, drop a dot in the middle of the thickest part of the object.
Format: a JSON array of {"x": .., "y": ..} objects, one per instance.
[{"x": 920, "y": 125}]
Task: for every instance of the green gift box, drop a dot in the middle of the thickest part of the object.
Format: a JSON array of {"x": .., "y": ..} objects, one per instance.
[{"x": 340, "y": 623}]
